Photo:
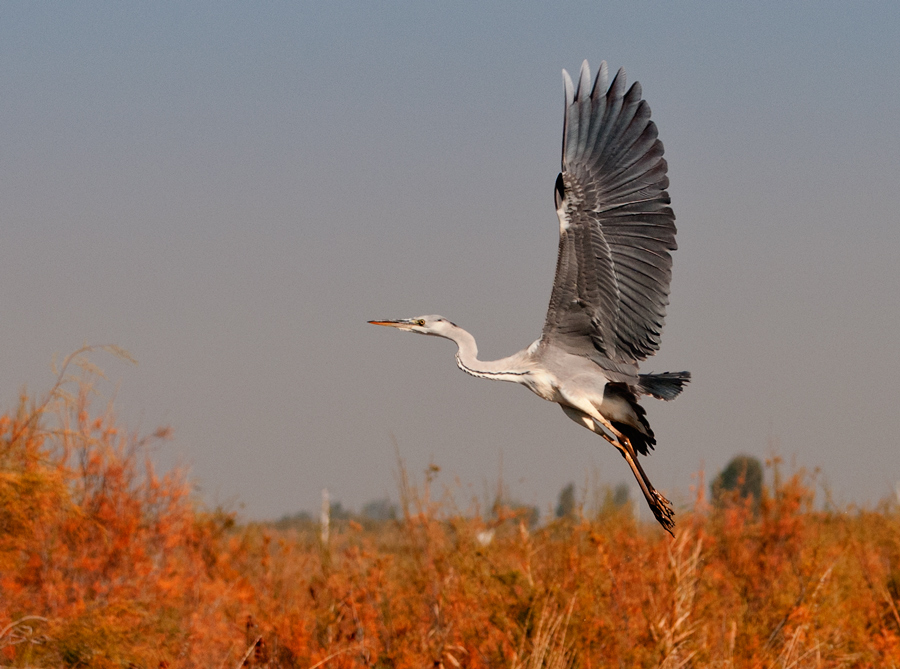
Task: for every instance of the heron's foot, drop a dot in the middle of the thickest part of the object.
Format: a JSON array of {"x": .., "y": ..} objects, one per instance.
[{"x": 663, "y": 511}]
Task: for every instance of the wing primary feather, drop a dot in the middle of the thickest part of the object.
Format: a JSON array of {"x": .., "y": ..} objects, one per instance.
[
  {"x": 569, "y": 88},
  {"x": 584, "y": 80},
  {"x": 583, "y": 100},
  {"x": 611, "y": 110},
  {"x": 601, "y": 81},
  {"x": 596, "y": 108}
]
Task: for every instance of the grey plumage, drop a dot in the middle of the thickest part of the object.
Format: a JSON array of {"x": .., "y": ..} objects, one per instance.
[
  {"x": 611, "y": 287},
  {"x": 617, "y": 229}
]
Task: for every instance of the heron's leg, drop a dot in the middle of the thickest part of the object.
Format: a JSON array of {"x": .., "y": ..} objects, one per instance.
[
  {"x": 627, "y": 451},
  {"x": 661, "y": 507},
  {"x": 587, "y": 421}
]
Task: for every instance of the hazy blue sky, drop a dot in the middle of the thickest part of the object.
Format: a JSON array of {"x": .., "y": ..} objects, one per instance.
[{"x": 230, "y": 190}]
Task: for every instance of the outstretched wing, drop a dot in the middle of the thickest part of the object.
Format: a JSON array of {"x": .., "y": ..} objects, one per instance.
[{"x": 616, "y": 227}]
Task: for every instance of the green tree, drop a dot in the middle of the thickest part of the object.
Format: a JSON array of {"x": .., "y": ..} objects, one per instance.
[
  {"x": 566, "y": 506},
  {"x": 379, "y": 510},
  {"x": 621, "y": 494},
  {"x": 741, "y": 479}
]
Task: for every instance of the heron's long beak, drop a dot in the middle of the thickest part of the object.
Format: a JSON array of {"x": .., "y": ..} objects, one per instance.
[{"x": 399, "y": 323}]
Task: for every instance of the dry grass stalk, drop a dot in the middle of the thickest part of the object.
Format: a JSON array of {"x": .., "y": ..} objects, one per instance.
[
  {"x": 674, "y": 627},
  {"x": 549, "y": 649}
]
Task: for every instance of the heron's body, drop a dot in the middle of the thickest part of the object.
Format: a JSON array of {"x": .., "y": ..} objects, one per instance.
[
  {"x": 612, "y": 278},
  {"x": 535, "y": 368}
]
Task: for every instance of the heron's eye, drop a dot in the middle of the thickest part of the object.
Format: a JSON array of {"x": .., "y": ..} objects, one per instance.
[{"x": 420, "y": 322}]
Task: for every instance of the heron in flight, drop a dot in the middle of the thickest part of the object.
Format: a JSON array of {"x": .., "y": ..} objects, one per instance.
[{"x": 608, "y": 303}]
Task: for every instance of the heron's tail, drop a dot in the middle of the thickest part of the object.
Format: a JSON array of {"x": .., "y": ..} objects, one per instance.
[{"x": 665, "y": 386}]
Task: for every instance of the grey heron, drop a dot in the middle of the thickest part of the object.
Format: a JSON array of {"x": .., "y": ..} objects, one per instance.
[{"x": 607, "y": 307}]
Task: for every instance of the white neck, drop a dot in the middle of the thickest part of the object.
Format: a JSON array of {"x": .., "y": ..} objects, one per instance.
[{"x": 513, "y": 368}]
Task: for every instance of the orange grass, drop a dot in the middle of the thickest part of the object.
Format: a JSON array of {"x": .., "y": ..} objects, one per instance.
[{"x": 106, "y": 563}]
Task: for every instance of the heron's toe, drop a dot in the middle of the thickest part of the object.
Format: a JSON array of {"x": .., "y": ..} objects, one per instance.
[{"x": 662, "y": 510}]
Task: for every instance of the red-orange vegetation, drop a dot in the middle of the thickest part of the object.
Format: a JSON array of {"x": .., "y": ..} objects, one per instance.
[{"x": 104, "y": 562}]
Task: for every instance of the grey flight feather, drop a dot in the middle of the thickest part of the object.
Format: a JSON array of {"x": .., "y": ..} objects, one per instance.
[{"x": 616, "y": 227}]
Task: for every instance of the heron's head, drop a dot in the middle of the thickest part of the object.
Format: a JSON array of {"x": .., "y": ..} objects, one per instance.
[{"x": 437, "y": 326}]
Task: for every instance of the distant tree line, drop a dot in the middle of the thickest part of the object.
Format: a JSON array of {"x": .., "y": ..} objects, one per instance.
[
  {"x": 373, "y": 512},
  {"x": 739, "y": 482}
]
